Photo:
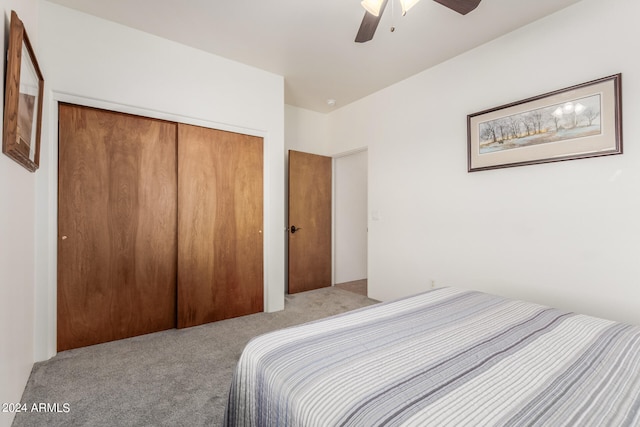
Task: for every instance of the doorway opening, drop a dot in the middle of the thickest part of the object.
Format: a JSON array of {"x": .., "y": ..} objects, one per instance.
[{"x": 350, "y": 232}]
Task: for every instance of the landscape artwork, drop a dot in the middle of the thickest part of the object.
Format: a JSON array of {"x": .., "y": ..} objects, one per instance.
[
  {"x": 560, "y": 122},
  {"x": 577, "y": 122}
]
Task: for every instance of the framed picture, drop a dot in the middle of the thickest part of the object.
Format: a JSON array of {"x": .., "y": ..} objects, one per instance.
[
  {"x": 573, "y": 123},
  {"x": 23, "y": 99}
]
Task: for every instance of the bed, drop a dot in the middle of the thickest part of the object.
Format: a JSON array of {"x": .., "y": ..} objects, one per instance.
[{"x": 447, "y": 357}]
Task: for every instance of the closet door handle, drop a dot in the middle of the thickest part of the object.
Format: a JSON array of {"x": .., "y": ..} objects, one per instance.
[{"x": 294, "y": 229}]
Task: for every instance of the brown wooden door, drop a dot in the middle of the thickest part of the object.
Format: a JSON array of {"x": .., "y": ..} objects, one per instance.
[
  {"x": 116, "y": 226},
  {"x": 220, "y": 217},
  {"x": 310, "y": 214}
]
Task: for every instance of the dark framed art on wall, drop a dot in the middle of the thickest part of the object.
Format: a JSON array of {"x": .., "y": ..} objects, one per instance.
[
  {"x": 23, "y": 99},
  {"x": 576, "y": 122}
]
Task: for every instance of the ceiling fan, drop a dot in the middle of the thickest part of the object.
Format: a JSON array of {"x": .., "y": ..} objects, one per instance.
[{"x": 374, "y": 9}]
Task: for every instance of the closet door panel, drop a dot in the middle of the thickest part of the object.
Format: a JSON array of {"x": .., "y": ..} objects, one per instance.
[
  {"x": 220, "y": 217},
  {"x": 117, "y": 220}
]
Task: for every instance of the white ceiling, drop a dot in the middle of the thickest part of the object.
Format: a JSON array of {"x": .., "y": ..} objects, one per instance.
[{"x": 311, "y": 43}]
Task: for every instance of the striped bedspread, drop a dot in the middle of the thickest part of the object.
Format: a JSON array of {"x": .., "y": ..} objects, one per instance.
[{"x": 447, "y": 357}]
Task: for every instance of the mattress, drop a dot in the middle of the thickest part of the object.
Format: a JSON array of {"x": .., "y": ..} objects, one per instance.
[{"x": 447, "y": 357}]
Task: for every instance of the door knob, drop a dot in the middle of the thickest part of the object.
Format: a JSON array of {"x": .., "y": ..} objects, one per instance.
[{"x": 294, "y": 229}]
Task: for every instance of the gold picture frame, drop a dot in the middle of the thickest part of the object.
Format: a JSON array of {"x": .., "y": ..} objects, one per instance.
[
  {"x": 577, "y": 122},
  {"x": 23, "y": 99}
]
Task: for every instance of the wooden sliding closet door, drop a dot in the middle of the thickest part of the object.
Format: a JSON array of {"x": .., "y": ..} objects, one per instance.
[
  {"x": 220, "y": 217},
  {"x": 116, "y": 226}
]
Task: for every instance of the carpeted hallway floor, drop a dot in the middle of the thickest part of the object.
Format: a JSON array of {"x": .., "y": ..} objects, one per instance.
[
  {"x": 357, "y": 286},
  {"x": 170, "y": 378}
]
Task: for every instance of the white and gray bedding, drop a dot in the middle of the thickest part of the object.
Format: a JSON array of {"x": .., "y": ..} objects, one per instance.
[{"x": 447, "y": 357}]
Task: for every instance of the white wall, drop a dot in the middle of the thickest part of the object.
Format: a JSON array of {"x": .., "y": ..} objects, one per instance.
[
  {"x": 17, "y": 242},
  {"x": 99, "y": 63},
  {"x": 565, "y": 234},
  {"x": 306, "y": 131},
  {"x": 350, "y": 217}
]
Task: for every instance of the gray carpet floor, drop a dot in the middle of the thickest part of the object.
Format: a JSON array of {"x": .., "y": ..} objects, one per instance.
[{"x": 170, "y": 378}]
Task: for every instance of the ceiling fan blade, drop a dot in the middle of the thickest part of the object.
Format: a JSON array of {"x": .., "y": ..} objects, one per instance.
[
  {"x": 461, "y": 6},
  {"x": 369, "y": 25}
]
